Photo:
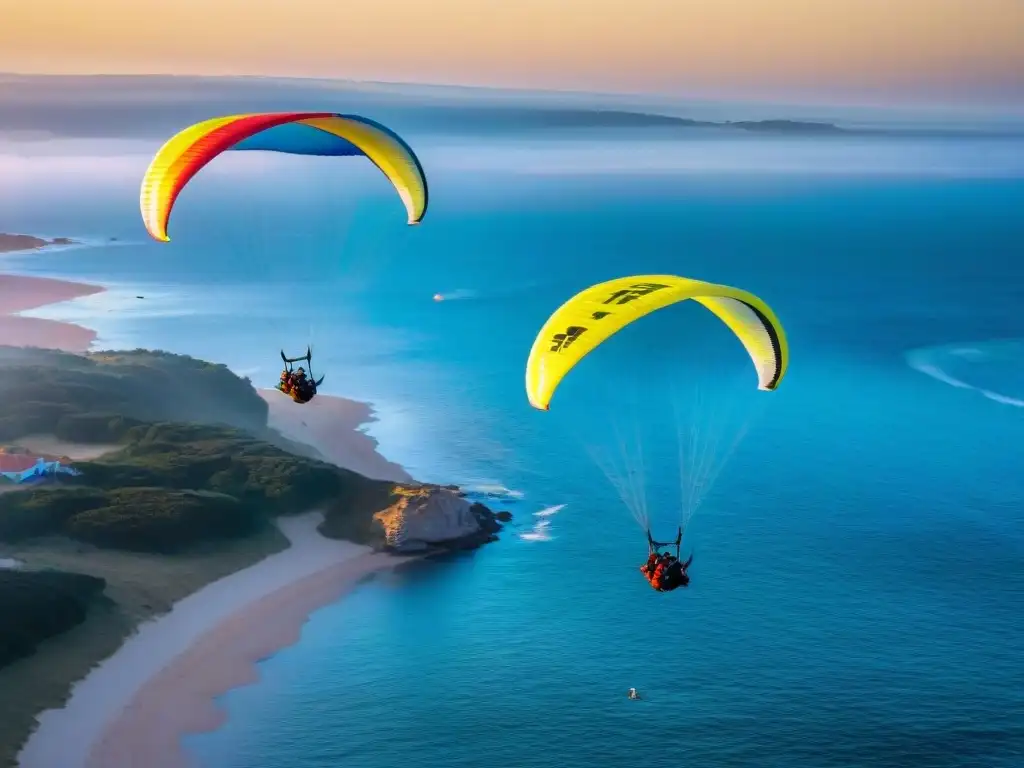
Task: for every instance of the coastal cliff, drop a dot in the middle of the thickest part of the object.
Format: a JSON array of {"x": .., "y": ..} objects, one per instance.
[
  {"x": 430, "y": 517},
  {"x": 193, "y": 466}
]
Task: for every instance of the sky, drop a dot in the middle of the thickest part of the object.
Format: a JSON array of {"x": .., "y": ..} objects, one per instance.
[{"x": 947, "y": 51}]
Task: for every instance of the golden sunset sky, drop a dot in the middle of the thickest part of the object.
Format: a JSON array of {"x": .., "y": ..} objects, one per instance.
[{"x": 895, "y": 49}]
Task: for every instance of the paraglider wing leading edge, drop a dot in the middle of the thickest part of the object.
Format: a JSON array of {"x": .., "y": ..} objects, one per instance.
[
  {"x": 298, "y": 133},
  {"x": 590, "y": 317}
]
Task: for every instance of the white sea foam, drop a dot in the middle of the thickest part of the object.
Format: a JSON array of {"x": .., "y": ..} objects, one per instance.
[
  {"x": 458, "y": 294},
  {"x": 974, "y": 367},
  {"x": 549, "y": 511},
  {"x": 541, "y": 530},
  {"x": 493, "y": 490}
]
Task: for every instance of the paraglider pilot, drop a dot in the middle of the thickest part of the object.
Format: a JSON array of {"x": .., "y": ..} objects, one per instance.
[
  {"x": 294, "y": 382},
  {"x": 663, "y": 570},
  {"x": 286, "y": 382}
]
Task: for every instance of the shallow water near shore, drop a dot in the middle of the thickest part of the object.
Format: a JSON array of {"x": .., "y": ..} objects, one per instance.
[{"x": 858, "y": 580}]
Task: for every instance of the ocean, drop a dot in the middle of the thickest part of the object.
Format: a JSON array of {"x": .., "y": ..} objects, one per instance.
[{"x": 858, "y": 580}]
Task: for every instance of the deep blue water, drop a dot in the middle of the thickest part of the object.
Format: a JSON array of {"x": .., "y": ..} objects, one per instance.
[{"x": 858, "y": 585}]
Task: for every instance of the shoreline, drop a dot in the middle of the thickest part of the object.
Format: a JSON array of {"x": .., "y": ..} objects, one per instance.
[
  {"x": 181, "y": 699},
  {"x": 332, "y": 425},
  {"x": 160, "y": 684},
  {"x": 20, "y": 293}
]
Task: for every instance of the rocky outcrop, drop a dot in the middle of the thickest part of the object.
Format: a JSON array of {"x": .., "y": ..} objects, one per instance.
[
  {"x": 429, "y": 517},
  {"x": 9, "y": 243}
]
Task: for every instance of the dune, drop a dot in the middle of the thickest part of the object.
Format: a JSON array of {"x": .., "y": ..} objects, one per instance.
[
  {"x": 20, "y": 293},
  {"x": 330, "y": 424}
]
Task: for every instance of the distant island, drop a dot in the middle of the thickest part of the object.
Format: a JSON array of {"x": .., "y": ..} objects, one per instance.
[
  {"x": 503, "y": 118},
  {"x": 624, "y": 119},
  {"x": 783, "y": 126},
  {"x": 10, "y": 243},
  {"x": 178, "y": 482}
]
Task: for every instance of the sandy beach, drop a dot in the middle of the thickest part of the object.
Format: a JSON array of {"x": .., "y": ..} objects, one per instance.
[
  {"x": 18, "y": 294},
  {"x": 134, "y": 707},
  {"x": 330, "y": 425}
]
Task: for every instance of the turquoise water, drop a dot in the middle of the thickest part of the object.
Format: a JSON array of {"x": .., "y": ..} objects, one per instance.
[{"x": 858, "y": 583}]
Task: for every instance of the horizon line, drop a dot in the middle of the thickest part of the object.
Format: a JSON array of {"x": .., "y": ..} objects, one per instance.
[{"x": 792, "y": 100}]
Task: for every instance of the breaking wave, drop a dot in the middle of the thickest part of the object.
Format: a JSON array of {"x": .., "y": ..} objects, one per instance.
[
  {"x": 992, "y": 369},
  {"x": 493, "y": 491},
  {"x": 541, "y": 530},
  {"x": 550, "y": 511}
]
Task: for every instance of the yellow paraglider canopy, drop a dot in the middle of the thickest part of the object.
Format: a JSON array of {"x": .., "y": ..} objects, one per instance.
[{"x": 590, "y": 317}]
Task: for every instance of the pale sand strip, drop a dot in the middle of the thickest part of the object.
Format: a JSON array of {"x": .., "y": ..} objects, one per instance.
[
  {"x": 180, "y": 699},
  {"x": 330, "y": 424},
  {"x": 18, "y": 294},
  {"x": 132, "y": 709}
]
